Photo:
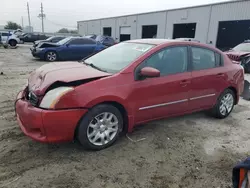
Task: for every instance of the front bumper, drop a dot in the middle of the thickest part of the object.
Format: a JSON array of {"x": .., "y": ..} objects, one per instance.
[
  {"x": 38, "y": 54},
  {"x": 47, "y": 125}
]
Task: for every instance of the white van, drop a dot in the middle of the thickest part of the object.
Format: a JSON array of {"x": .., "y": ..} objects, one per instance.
[{"x": 9, "y": 38}]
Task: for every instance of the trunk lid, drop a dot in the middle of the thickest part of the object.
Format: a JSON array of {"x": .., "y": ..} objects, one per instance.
[
  {"x": 236, "y": 56},
  {"x": 66, "y": 72}
]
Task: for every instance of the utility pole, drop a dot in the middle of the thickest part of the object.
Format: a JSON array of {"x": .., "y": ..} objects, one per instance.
[
  {"x": 29, "y": 15},
  {"x": 22, "y": 21},
  {"x": 42, "y": 16}
]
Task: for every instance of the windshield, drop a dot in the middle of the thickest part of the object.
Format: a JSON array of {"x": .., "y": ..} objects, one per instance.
[
  {"x": 117, "y": 57},
  {"x": 63, "y": 41},
  {"x": 244, "y": 47},
  {"x": 100, "y": 38},
  {"x": 49, "y": 38}
]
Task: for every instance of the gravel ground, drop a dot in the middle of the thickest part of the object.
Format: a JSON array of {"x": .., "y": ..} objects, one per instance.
[{"x": 188, "y": 151}]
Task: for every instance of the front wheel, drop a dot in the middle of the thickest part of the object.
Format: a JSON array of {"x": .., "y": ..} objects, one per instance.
[
  {"x": 51, "y": 56},
  {"x": 224, "y": 105},
  {"x": 100, "y": 127}
]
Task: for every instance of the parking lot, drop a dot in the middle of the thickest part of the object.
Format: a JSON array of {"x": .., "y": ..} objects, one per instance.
[{"x": 188, "y": 151}]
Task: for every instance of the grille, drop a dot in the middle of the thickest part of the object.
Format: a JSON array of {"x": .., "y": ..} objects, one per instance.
[{"x": 33, "y": 99}]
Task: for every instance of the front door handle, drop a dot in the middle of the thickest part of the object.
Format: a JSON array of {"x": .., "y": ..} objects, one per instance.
[
  {"x": 184, "y": 83},
  {"x": 220, "y": 75}
]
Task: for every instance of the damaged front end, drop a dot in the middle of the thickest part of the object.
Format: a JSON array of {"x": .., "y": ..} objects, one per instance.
[
  {"x": 53, "y": 93},
  {"x": 242, "y": 57}
]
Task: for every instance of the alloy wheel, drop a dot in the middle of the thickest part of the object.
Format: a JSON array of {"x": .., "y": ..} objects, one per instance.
[
  {"x": 226, "y": 104},
  {"x": 102, "y": 129},
  {"x": 51, "y": 56}
]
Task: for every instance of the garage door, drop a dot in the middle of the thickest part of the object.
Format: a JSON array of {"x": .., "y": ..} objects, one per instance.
[
  {"x": 125, "y": 30},
  {"x": 231, "y": 33}
]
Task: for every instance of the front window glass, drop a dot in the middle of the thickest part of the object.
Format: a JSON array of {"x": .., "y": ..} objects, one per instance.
[
  {"x": 115, "y": 58},
  {"x": 244, "y": 47},
  {"x": 169, "y": 61},
  {"x": 49, "y": 38}
]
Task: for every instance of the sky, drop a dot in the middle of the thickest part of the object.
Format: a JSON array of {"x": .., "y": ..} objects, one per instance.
[{"x": 66, "y": 13}]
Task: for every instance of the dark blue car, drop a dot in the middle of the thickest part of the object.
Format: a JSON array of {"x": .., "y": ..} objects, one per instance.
[{"x": 71, "y": 48}]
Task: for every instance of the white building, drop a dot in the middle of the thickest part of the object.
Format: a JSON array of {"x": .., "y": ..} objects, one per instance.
[{"x": 221, "y": 24}]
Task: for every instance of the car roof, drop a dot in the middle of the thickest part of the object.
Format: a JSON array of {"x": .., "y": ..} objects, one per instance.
[
  {"x": 158, "y": 42},
  {"x": 151, "y": 41}
]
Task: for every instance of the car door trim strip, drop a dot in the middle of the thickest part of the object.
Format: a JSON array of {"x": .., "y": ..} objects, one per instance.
[
  {"x": 203, "y": 96},
  {"x": 163, "y": 104}
]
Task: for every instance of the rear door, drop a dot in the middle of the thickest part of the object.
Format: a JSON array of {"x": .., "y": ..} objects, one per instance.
[
  {"x": 209, "y": 77},
  {"x": 5, "y": 36}
]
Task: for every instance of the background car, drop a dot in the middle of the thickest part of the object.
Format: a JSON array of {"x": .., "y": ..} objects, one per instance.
[
  {"x": 53, "y": 39},
  {"x": 187, "y": 39},
  {"x": 91, "y": 36},
  {"x": 10, "y": 38},
  {"x": 30, "y": 37},
  {"x": 105, "y": 40},
  {"x": 241, "y": 53},
  {"x": 71, "y": 48},
  {"x": 125, "y": 85}
]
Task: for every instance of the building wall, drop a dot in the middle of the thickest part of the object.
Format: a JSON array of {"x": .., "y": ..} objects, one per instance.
[
  {"x": 206, "y": 18},
  {"x": 199, "y": 15},
  {"x": 227, "y": 12},
  {"x": 83, "y": 28},
  {"x": 94, "y": 27},
  {"x": 158, "y": 18},
  {"x": 126, "y": 21},
  {"x": 109, "y": 23}
]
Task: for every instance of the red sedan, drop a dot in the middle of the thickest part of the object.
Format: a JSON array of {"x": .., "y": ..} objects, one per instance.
[{"x": 125, "y": 85}]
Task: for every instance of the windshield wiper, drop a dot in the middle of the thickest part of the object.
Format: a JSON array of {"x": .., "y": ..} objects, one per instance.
[{"x": 93, "y": 66}]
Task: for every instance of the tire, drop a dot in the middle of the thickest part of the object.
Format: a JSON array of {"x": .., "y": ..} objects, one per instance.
[
  {"x": 92, "y": 132},
  {"x": 12, "y": 43},
  {"x": 51, "y": 56},
  {"x": 220, "y": 110},
  {"x": 247, "y": 67}
]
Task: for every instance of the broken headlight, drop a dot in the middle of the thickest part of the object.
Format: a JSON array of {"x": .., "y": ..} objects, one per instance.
[{"x": 53, "y": 96}]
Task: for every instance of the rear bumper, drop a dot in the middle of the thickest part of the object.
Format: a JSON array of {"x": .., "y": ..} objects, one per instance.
[{"x": 47, "y": 125}]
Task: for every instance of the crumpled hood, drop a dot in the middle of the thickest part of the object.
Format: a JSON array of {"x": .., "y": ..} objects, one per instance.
[
  {"x": 47, "y": 45},
  {"x": 46, "y": 75},
  {"x": 236, "y": 56}
]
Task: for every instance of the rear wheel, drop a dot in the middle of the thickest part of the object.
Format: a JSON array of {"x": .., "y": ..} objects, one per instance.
[
  {"x": 224, "y": 105},
  {"x": 12, "y": 43},
  {"x": 51, "y": 56},
  {"x": 247, "y": 67},
  {"x": 100, "y": 127}
]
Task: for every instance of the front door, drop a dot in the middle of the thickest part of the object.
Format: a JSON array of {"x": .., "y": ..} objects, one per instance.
[
  {"x": 165, "y": 95},
  {"x": 208, "y": 78}
]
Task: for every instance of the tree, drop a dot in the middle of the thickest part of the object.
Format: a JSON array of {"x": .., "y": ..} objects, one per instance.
[
  {"x": 73, "y": 31},
  {"x": 63, "y": 30},
  {"x": 12, "y": 25}
]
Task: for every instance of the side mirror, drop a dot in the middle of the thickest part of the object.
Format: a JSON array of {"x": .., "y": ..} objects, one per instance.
[
  {"x": 67, "y": 45},
  {"x": 150, "y": 72}
]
